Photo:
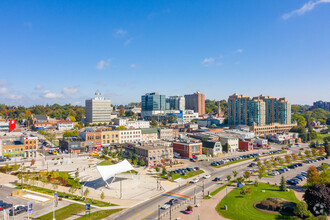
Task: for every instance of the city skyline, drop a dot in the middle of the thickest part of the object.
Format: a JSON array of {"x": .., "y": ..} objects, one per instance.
[{"x": 63, "y": 52}]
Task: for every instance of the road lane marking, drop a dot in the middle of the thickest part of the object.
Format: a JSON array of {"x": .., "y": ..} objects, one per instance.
[
  {"x": 147, "y": 215},
  {"x": 137, "y": 215}
]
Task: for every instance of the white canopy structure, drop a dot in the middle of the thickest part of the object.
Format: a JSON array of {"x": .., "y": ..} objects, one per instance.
[{"x": 111, "y": 170}]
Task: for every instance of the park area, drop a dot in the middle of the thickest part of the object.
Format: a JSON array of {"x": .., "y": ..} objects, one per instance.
[{"x": 241, "y": 206}]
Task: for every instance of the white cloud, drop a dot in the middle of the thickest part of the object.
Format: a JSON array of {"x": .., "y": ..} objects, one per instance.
[
  {"x": 133, "y": 65},
  {"x": 239, "y": 51},
  {"x": 70, "y": 90},
  {"x": 102, "y": 64},
  {"x": 305, "y": 8},
  {"x": 15, "y": 97},
  {"x": 38, "y": 87},
  {"x": 3, "y": 82},
  {"x": 3, "y": 91},
  {"x": 208, "y": 61},
  {"x": 120, "y": 32},
  {"x": 128, "y": 41},
  {"x": 51, "y": 95}
]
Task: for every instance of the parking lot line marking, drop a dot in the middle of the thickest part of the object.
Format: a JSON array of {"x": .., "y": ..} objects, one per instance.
[
  {"x": 137, "y": 215},
  {"x": 147, "y": 215}
]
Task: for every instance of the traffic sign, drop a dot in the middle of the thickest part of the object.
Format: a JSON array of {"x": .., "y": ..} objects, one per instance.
[{"x": 88, "y": 207}]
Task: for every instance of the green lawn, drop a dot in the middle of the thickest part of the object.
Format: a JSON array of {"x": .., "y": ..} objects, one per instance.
[
  {"x": 99, "y": 214},
  {"x": 241, "y": 206},
  {"x": 64, "y": 195},
  {"x": 105, "y": 162},
  {"x": 320, "y": 137},
  {"x": 188, "y": 175},
  {"x": 64, "y": 212}
]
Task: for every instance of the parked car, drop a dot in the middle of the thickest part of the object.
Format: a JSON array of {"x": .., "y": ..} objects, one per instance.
[
  {"x": 207, "y": 176},
  {"x": 216, "y": 179}
]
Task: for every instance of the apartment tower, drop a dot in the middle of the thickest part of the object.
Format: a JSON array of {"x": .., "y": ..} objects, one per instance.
[{"x": 196, "y": 102}]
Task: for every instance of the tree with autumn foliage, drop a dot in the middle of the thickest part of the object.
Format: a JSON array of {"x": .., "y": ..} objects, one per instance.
[{"x": 313, "y": 175}]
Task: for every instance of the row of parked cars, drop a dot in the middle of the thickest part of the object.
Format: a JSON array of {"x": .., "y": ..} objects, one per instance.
[
  {"x": 17, "y": 209},
  {"x": 223, "y": 161},
  {"x": 4, "y": 205},
  {"x": 300, "y": 177},
  {"x": 285, "y": 169},
  {"x": 185, "y": 170},
  {"x": 315, "y": 160}
]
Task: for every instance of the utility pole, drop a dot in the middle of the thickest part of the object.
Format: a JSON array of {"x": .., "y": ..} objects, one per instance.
[
  {"x": 158, "y": 212},
  {"x": 203, "y": 189},
  {"x": 121, "y": 189},
  {"x": 195, "y": 195},
  {"x": 170, "y": 212}
]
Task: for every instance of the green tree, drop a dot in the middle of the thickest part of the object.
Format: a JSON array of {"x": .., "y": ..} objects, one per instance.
[
  {"x": 164, "y": 171},
  {"x": 153, "y": 123},
  {"x": 287, "y": 159},
  {"x": 228, "y": 177},
  {"x": 235, "y": 173},
  {"x": 301, "y": 210},
  {"x": 102, "y": 195},
  {"x": 142, "y": 163},
  {"x": 246, "y": 175},
  {"x": 226, "y": 147},
  {"x": 282, "y": 185},
  {"x": 86, "y": 192}
]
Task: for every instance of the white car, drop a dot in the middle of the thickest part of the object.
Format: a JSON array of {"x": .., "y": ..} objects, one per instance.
[
  {"x": 207, "y": 176},
  {"x": 195, "y": 180},
  {"x": 165, "y": 206}
]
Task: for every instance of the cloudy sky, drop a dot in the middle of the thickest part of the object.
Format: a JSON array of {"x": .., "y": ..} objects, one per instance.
[{"x": 63, "y": 51}]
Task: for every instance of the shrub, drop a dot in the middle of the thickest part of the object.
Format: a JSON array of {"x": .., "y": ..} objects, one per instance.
[{"x": 189, "y": 208}]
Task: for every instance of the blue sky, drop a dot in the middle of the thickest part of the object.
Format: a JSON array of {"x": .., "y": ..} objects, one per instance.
[{"x": 63, "y": 51}]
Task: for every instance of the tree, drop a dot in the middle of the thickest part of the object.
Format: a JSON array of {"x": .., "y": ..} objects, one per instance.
[
  {"x": 261, "y": 171},
  {"x": 157, "y": 169},
  {"x": 321, "y": 150},
  {"x": 33, "y": 161},
  {"x": 86, "y": 192},
  {"x": 301, "y": 210},
  {"x": 282, "y": 185},
  {"x": 142, "y": 163},
  {"x": 259, "y": 164},
  {"x": 164, "y": 172},
  {"x": 300, "y": 155},
  {"x": 228, "y": 177},
  {"x": 280, "y": 160},
  {"x": 287, "y": 158},
  {"x": 246, "y": 175},
  {"x": 314, "y": 152},
  {"x": 301, "y": 121},
  {"x": 122, "y": 112},
  {"x": 308, "y": 153},
  {"x": 235, "y": 173},
  {"x": 226, "y": 147},
  {"x": 240, "y": 179},
  {"x": 102, "y": 195},
  {"x": 318, "y": 193},
  {"x": 153, "y": 123},
  {"x": 313, "y": 175},
  {"x": 135, "y": 162},
  {"x": 325, "y": 173},
  {"x": 294, "y": 156}
]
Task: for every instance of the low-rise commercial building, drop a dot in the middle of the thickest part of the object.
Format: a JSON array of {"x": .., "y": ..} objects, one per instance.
[
  {"x": 231, "y": 140},
  {"x": 130, "y": 136},
  {"x": 189, "y": 148},
  {"x": 246, "y": 145},
  {"x": 131, "y": 124},
  {"x": 149, "y": 134},
  {"x": 272, "y": 128},
  {"x": 12, "y": 148},
  {"x": 212, "y": 148},
  {"x": 65, "y": 125},
  {"x": 92, "y": 139},
  {"x": 73, "y": 145},
  {"x": 109, "y": 137},
  {"x": 158, "y": 153},
  {"x": 165, "y": 134},
  {"x": 260, "y": 142}
]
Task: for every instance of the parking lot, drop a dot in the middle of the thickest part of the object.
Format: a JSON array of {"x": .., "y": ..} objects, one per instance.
[{"x": 38, "y": 208}]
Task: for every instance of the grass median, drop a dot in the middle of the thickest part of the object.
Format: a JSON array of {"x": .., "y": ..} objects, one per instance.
[
  {"x": 186, "y": 176},
  {"x": 63, "y": 213},
  {"x": 213, "y": 193}
]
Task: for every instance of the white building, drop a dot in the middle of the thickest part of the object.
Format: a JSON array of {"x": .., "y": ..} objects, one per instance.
[
  {"x": 261, "y": 142},
  {"x": 232, "y": 140},
  {"x": 98, "y": 109},
  {"x": 131, "y": 124},
  {"x": 130, "y": 136},
  {"x": 242, "y": 134},
  {"x": 188, "y": 116},
  {"x": 65, "y": 125}
]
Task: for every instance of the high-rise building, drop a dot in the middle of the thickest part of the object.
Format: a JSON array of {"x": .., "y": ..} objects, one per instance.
[
  {"x": 258, "y": 111},
  {"x": 196, "y": 102},
  {"x": 175, "y": 103},
  {"x": 322, "y": 105},
  {"x": 98, "y": 109},
  {"x": 152, "y": 104}
]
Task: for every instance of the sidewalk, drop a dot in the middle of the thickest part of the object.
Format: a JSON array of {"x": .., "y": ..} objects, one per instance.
[{"x": 206, "y": 209}]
